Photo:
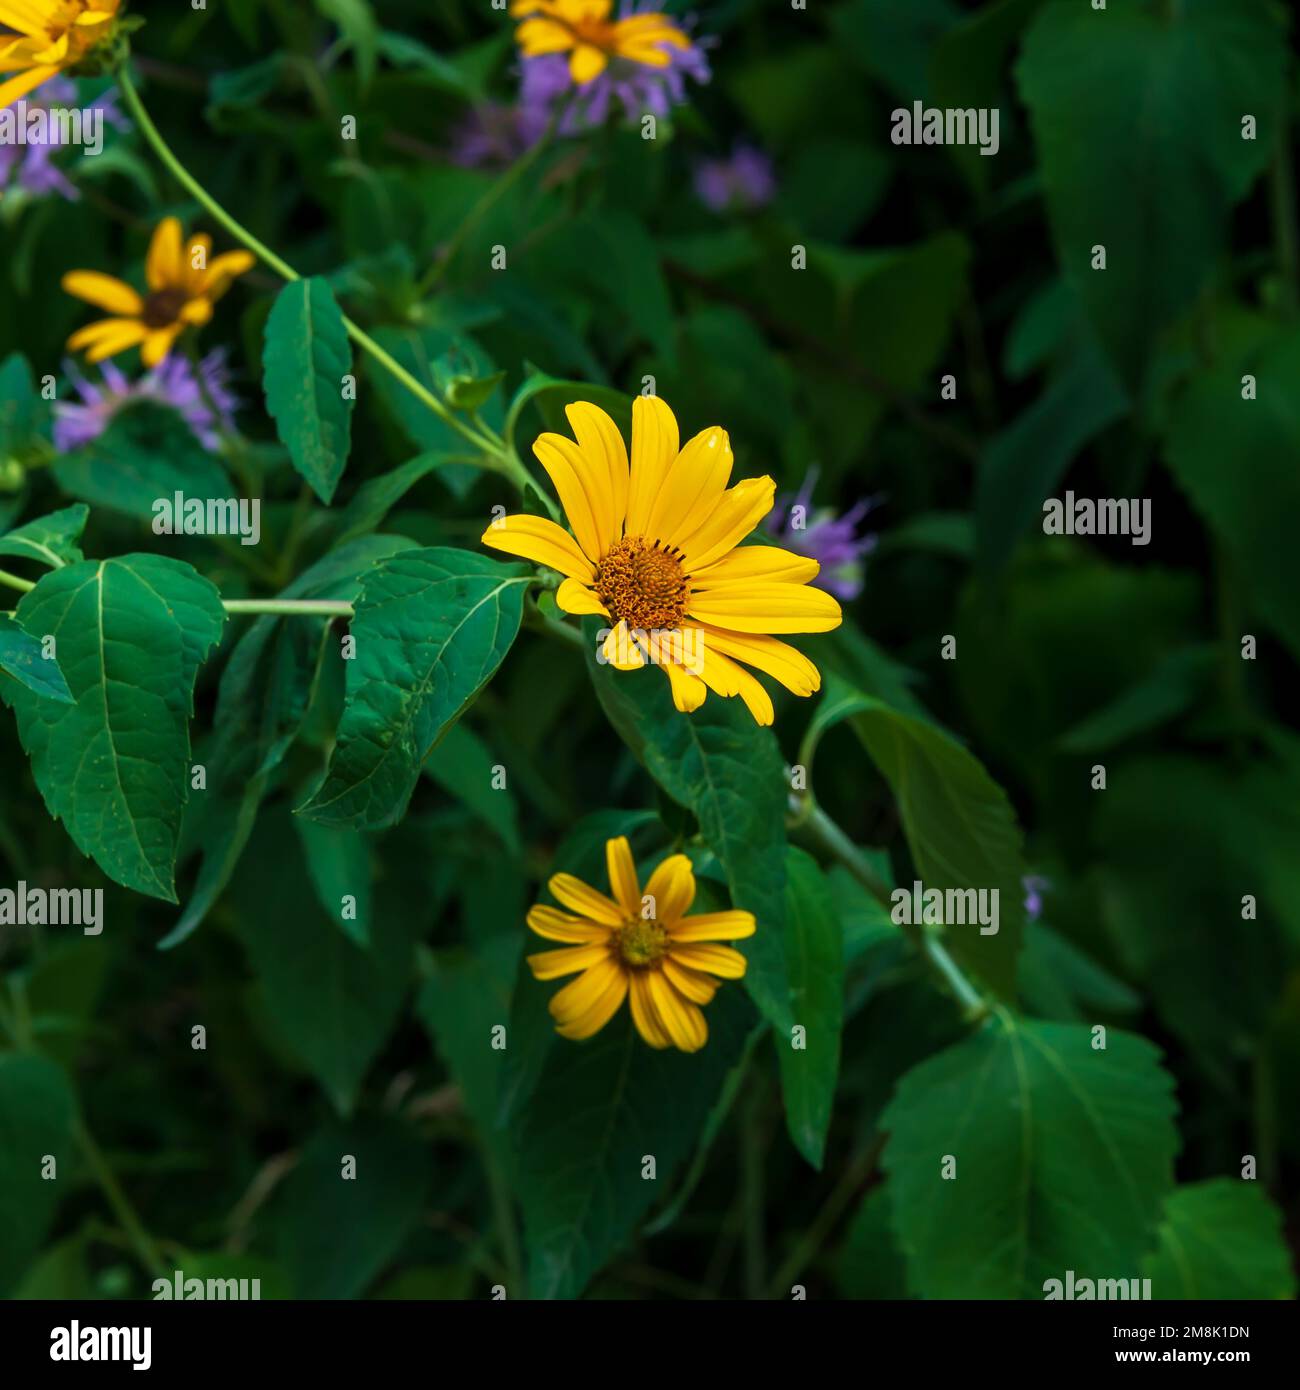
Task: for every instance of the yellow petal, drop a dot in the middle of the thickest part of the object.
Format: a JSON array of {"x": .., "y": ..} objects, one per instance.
[
  {"x": 770, "y": 655},
  {"x": 224, "y": 269},
  {"x": 622, "y": 875},
  {"x": 694, "y": 485},
  {"x": 538, "y": 36},
  {"x": 197, "y": 269},
  {"x": 672, "y": 886},
  {"x": 585, "y": 901},
  {"x": 732, "y": 925},
  {"x": 103, "y": 291},
  {"x": 599, "y": 439},
  {"x": 602, "y": 1009},
  {"x": 196, "y": 312},
  {"x": 569, "y": 1004},
  {"x": 681, "y": 1020},
  {"x": 725, "y": 677},
  {"x": 586, "y": 63},
  {"x": 644, "y": 1014},
  {"x": 550, "y": 965},
  {"x": 583, "y": 495},
  {"x": 749, "y": 562},
  {"x": 766, "y": 608},
  {"x": 724, "y": 961},
  {"x": 621, "y": 650},
  {"x": 23, "y": 83},
  {"x": 108, "y": 337},
  {"x": 699, "y": 989},
  {"x": 24, "y": 16},
  {"x": 573, "y": 596},
  {"x": 739, "y": 511},
  {"x": 158, "y": 344},
  {"x": 163, "y": 268},
  {"x": 689, "y": 691},
  {"x": 654, "y": 447},
  {"x": 536, "y": 538},
  {"x": 563, "y": 926}
]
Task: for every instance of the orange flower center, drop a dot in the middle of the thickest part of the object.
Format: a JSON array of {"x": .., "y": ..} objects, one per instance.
[
  {"x": 644, "y": 585},
  {"x": 641, "y": 942},
  {"x": 163, "y": 308}
]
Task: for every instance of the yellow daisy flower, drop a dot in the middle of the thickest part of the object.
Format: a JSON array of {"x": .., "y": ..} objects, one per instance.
[
  {"x": 665, "y": 964},
  {"x": 655, "y": 549},
  {"x": 584, "y": 30},
  {"x": 48, "y": 36},
  {"x": 179, "y": 296}
]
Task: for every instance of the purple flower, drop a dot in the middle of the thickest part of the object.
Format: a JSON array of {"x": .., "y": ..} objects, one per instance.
[
  {"x": 641, "y": 89},
  {"x": 1035, "y": 885},
  {"x": 171, "y": 383},
  {"x": 826, "y": 537},
  {"x": 31, "y": 167},
  {"x": 740, "y": 182},
  {"x": 494, "y": 135}
]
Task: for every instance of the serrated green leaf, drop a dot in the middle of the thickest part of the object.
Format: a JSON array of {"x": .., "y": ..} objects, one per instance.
[
  {"x": 431, "y": 627},
  {"x": 1063, "y": 1153},
  {"x": 131, "y": 634},
  {"x": 304, "y": 360},
  {"x": 49, "y": 540}
]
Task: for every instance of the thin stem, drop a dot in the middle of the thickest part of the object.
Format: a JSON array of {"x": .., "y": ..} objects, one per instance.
[
  {"x": 24, "y": 586},
  {"x": 289, "y": 607},
  {"x": 833, "y": 839},
  {"x": 122, "y": 1208}
]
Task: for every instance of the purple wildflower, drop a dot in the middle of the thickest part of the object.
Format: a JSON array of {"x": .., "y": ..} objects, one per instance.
[
  {"x": 171, "y": 383},
  {"x": 1035, "y": 885},
  {"x": 826, "y": 537},
  {"x": 740, "y": 182},
  {"x": 639, "y": 88},
  {"x": 31, "y": 167},
  {"x": 494, "y": 134}
]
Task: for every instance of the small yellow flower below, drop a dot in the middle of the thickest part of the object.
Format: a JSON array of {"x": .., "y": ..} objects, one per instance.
[
  {"x": 638, "y": 947},
  {"x": 183, "y": 286}
]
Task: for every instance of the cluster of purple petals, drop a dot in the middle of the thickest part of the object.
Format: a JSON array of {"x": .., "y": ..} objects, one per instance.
[
  {"x": 171, "y": 383},
  {"x": 740, "y": 182},
  {"x": 830, "y": 538},
  {"x": 32, "y": 168}
]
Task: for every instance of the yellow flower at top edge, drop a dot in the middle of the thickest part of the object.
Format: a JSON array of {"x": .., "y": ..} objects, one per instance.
[
  {"x": 655, "y": 549},
  {"x": 584, "y": 30},
  {"x": 48, "y": 36},
  {"x": 644, "y": 949},
  {"x": 183, "y": 286}
]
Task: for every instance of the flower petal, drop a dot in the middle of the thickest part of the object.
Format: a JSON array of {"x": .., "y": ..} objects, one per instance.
[
  {"x": 536, "y": 538},
  {"x": 555, "y": 925},
  {"x": 750, "y": 562},
  {"x": 603, "y": 1008},
  {"x": 698, "y": 988},
  {"x": 621, "y": 650},
  {"x": 739, "y": 511},
  {"x": 583, "y": 494},
  {"x": 586, "y": 63},
  {"x": 622, "y": 875},
  {"x": 577, "y": 998},
  {"x": 725, "y": 677},
  {"x": 689, "y": 692},
  {"x": 770, "y": 655},
  {"x": 573, "y": 596},
  {"x": 672, "y": 886},
  {"x": 655, "y": 443},
  {"x": 104, "y": 292},
  {"x": 538, "y": 36},
  {"x": 568, "y": 960},
  {"x": 163, "y": 268},
  {"x": 23, "y": 82},
  {"x": 644, "y": 1014},
  {"x": 598, "y": 438},
  {"x": 694, "y": 484},
  {"x": 585, "y": 901},
  {"x": 732, "y": 925},
  {"x": 724, "y": 961},
  {"x": 158, "y": 344},
  {"x": 681, "y": 1020},
  {"x": 766, "y": 608}
]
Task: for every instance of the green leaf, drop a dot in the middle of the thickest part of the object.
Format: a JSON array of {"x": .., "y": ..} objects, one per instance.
[
  {"x": 147, "y": 452},
  {"x": 1220, "y": 1239},
  {"x": 431, "y": 627},
  {"x": 815, "y": 952},
  {"x": 338, "y": 862},
  {"x": 1063, "y": 1153},
  {"x": 550, "y": 395},
  {"x": 1154, "y": 190},
  {"x": 22, "y": 658},
  {"x": 1171, "y": 688},
  {"x": 462, "y": 765},
  {"x": 600, "y": 1109},
  {"x": 22, "y": 411},
  {"x": 49, "y": 540},
  {"x": 337, "y": 1232},
  {"x": 131, "y": 634},
  {"x": 1061, "y": 982},
  {"x": 357, "y": 22},
  {"x": 305, "y": 358},
  {"x": 37, "y": 1117},
  {"x": 959, "y": 825},
  {"x": 473, "y": 393},
  {"x": 375, "y": 498},
  {"x": 870, "y": 1264},
  {"x": 726, "y": 769},
  {"x": 332, "y": 1002}
]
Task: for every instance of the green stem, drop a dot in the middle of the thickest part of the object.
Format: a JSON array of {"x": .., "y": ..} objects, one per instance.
[
  {"x": 122, "y": 1208},
  {"x": 24, "y": 586},
  {"x": 289, "y": 607},
  {"x": 490, "y": 448},
  {"x": 832, "y": 838}
]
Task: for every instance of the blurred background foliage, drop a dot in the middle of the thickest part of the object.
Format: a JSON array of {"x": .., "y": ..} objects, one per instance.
[{"x": 1121, "y": 128}]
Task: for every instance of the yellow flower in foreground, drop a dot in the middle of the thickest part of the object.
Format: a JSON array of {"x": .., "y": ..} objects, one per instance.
[
  {"x": 656, "y": 552},
  {"x": 48, "y": 36},
  {"x": 643, "y": 949},
  {"x": 584, "y": 30},
  {"x": 179, "y": 297}
]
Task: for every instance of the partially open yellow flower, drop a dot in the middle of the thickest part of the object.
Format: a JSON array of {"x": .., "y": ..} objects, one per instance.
[
  {"x": 183, "y": 286},
  {"x": 584, "y": 30},
  {"x": 657, "y": 552},
  {"x": 643, "y": 948},
  {"x": 48, "y": 36}
]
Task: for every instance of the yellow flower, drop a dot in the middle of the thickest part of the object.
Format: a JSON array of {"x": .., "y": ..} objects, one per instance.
[
  {"x": 663, "y": 963},
  {"x": 48, "y": 36},
  {"x": 179, "y": 296},
  {"x": 656, "y": 552},
  {"x": 584, "y": 30}
]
